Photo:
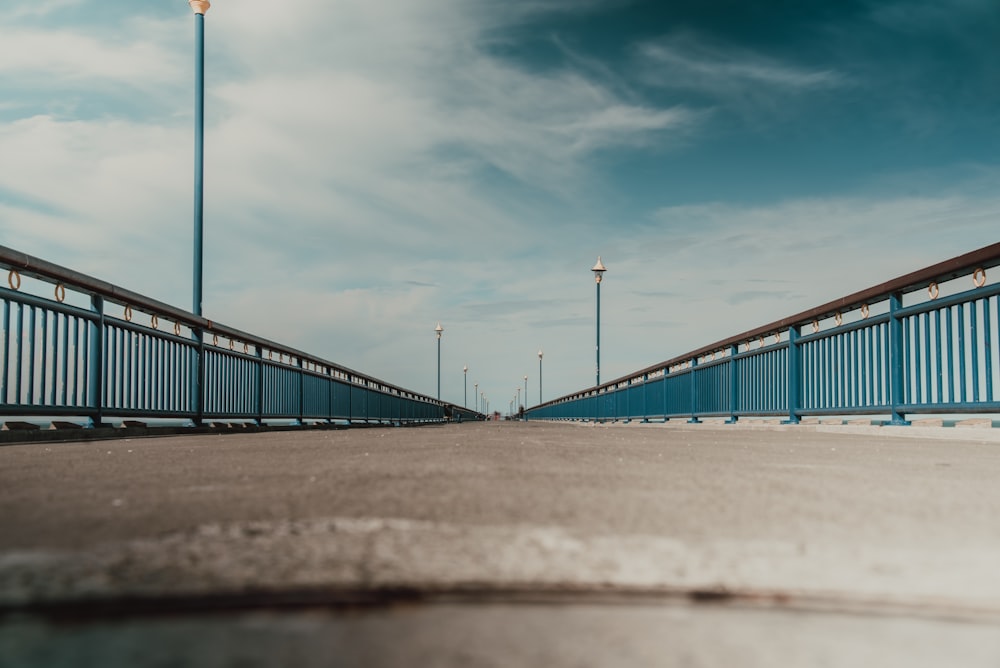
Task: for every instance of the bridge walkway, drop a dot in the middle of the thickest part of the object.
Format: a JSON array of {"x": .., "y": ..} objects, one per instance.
[{"x": 514, "y": 543}]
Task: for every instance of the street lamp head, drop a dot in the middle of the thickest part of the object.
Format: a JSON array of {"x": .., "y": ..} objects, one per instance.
[
  {"x": 526, "y": 377},
  {"x": 539, "y": 354},
  {"x": 200, "y": 6},
  {"x": 465, "y": 369},
  {"x": 598, "y": 269},
  {"x": 439, "y": 329}
]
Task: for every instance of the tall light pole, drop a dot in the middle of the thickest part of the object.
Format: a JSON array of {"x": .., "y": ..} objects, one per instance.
[
  {"x": 439, "y": 329},
  {"x": 598, "y": 270},
  {"x": 539, "y": 378},
  {"x": 475, "y": 395},
  {"x": 526, "y": 390},
  {"x": 518, "y": 399},
  {"x": 465, "y": 376},
  {"x": 199, "y": 7}
]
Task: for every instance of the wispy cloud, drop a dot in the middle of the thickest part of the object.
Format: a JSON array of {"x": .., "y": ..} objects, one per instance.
[
  {"x": 383, "y": 153},
  {"x": 689, "y": 61},
  {"x": 39, "y": 9}
]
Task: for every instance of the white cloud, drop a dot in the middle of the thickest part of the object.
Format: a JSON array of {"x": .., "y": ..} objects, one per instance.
[
  {"x": 348, "y": 153},
  {"x": 139, "y": 57},
  {"x": 739, "y": 267},
  {"x": 688, "y": 61},
  {"x": 39, "y": 8}
]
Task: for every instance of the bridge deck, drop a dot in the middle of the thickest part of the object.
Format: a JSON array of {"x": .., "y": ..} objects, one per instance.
[{"x": 780, "y": 524}]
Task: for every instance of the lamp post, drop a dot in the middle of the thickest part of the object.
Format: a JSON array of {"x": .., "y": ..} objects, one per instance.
[
  {"x": 539, "y": 378},
  {"x": 199, "y": 7},
  {"x": 439, "y": 329},
  {"x": 475, "y": 395},
  {"x": 465, "y": 396},
  {"x": 525, "y": 392},
  {"x": 598, "y": 270},
  {"x": 518, "y": 400}
]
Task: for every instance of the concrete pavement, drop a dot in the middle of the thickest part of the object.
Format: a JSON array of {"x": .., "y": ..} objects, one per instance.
[{"x": 854, "y": 535}]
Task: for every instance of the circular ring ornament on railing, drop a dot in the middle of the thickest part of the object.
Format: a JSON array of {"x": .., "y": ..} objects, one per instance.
[
  {"x": 154, "y": 322},
  {"x": 815, "y": 326},
  {"x": 748, "y": 345},
  {"x": 246, "y": 349},
  {"x": 839, "y": 319},
  {"x": 14, "y": 280},
  {"x": 60, "y": 292},
  {"x": 270, "y": 354},
  {"x": 777, "y": 337},
  {"x": 761, "y": 338},
  {"x": 215, "y": 339},
  {"x": 864, "y": 311},
  {"x": 177, "y": 328},
  {"x": 979, "y": 277},
  {"x": 933, "y": 291},
  {"x": 128, "y": 313},
  {"x": 232, "y": 346}
]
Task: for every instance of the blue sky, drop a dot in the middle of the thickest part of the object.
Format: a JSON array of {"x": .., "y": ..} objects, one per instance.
[{"x": 375, "y": 167}]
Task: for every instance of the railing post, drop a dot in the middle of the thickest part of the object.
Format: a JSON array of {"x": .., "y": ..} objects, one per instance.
[
  {"x": 333, "y": 395},
  {"x": 198, "y": 377},
  {"x": 260, "y": 385},
  {"x": 666, "y": 404},
  {"x": 96, "y": 379},
  {"x": 628, "y": 402},
  {"x": 302, "y": 380},
  {"x": 896, "y": 360},
  {"x": 734, "y": 394},
  {"x": 350, "y": 398},
  {"x": 694, "y": 394},
  {"x": 645, "y": 398},
  {"x": 794, "y": 379}
]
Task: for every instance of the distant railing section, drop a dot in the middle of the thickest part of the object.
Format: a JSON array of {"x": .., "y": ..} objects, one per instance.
[
  {"x": 922, "y": 343},
  {"x": 80, "y": 351}
]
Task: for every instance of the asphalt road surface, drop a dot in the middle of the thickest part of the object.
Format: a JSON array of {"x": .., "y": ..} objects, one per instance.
[{"x": 505, "y": 544}]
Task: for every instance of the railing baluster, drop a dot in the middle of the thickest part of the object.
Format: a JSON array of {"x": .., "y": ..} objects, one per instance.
[
  {"x": 96, "y": 373},
  {"x": 918, "y": 374},
  {"x": 926, "y": 348},
  {"x": 43, "y": 375},
  {"x": 856, "y": 359},
  {"x": 19, "y": 370},
  {"x": 988, "y": 348},
  {"x": 974, "y": 335},
  {"x": 31, "y": 356},
  {"x": 938, "y": 346},
  {"x": 5, "y": 379},
  {"x": 951, "y": 354},
  {"x": 961, "y": 354}
]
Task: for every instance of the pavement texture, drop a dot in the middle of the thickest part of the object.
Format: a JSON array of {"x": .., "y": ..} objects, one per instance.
[{"x": 506, "y": 544}]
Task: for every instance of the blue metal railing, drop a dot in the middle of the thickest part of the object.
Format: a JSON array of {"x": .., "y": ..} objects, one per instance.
[
  {"x": 93, "y": 360},
  {"x": 899, "y": 348}
]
